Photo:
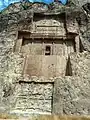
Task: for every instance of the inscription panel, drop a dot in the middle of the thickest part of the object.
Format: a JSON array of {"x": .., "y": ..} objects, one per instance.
[{"x": 46, "y": 66}]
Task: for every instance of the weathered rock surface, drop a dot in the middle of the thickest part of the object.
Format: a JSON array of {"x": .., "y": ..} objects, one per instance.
[
  {"x": 73, "y": 96},
  {"x": 62, "y": 95}
]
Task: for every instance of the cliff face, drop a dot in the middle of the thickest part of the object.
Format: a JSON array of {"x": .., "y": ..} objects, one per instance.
[
  {"x": 67, "y": 94},
  {"x": 20, "y": 12}
]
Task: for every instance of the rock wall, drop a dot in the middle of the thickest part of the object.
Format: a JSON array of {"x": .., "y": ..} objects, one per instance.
[
  {"x": 71, "y": 96},
  {"x": 22, "y": 94},
  {"x": 80, "y": 64},
  {"x": 72, "y": 93}
]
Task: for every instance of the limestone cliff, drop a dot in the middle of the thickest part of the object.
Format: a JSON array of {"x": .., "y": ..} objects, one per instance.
[
  {"x": 78, "y": 9},
  {"x": 67, "y": 92}
]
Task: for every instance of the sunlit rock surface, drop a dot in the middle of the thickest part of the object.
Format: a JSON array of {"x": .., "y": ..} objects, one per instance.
[{"x": 23, "y": 94}]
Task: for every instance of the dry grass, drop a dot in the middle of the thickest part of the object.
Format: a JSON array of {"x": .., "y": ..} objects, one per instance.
[
  {"x": 45, "y": 117},
  {"x": 7, "y": 116},
  {"x": 56, "y": 117}
]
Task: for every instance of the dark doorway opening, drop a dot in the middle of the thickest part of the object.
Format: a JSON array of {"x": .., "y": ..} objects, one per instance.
[{"x": 48, "y": 50}]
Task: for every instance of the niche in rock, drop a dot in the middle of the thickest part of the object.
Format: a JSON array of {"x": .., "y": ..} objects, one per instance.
[{"x": 68, "y": 68}]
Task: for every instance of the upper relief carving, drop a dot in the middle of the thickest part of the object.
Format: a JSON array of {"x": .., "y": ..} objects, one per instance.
[{"x": 49, "y": 26}]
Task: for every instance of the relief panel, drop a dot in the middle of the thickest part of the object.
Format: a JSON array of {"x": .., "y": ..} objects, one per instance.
[
  {"x": 49, "y": 26},
  {"x": 33, "y": 98}
]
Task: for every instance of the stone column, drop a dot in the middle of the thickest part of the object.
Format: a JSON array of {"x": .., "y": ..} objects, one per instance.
[
  {"x": 57, "y": 99},
  {"x": 18, "y": 45},
  {"x": 77, "y": 45}
]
